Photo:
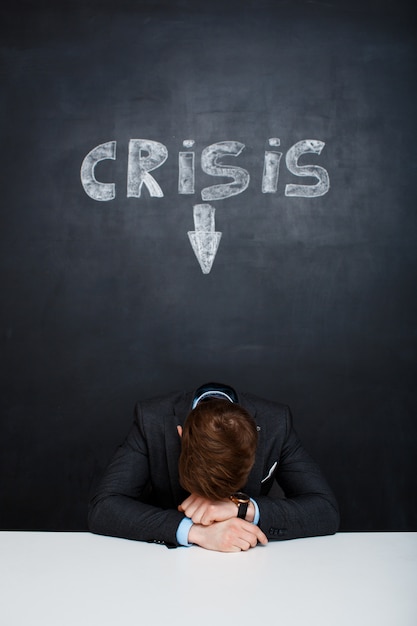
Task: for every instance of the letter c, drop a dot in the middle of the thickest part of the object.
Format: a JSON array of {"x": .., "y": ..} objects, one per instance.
[{"x": 92, "y": 187}]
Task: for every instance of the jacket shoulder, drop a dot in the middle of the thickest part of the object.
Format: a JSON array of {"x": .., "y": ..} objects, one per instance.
[
  {"x": 157, "y": 411},
  {"x": 264, "y": 405},
  {"x": 166, "y": 402}
]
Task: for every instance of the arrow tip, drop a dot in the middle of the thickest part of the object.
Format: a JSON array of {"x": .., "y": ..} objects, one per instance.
[{"x": 205, "y": 245}]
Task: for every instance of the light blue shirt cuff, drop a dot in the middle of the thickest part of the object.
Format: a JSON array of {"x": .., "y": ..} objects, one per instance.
[
  {"x": 183, "y": 530},
  {"x": 257, "y": 514}
]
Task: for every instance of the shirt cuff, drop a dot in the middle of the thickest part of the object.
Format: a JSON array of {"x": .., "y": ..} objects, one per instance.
[
  {"x": 257, "y": 514},
  {"x": 183, "y": 530}
]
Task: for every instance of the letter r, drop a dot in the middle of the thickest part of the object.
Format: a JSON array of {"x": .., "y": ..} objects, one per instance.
[{"x": 144, "y": 156}]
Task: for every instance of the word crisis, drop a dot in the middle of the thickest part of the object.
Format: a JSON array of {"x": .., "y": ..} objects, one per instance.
[{"x": 145, "y": 156}]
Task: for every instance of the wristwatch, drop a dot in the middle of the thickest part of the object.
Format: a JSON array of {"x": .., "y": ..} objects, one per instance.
[{"x": 242, "y": 502}]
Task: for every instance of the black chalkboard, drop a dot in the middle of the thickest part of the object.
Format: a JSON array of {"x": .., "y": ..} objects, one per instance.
[{"x": 196, "y": 191}]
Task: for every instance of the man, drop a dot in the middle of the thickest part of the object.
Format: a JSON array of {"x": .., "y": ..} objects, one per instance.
[{"x": 198, "y": 468}]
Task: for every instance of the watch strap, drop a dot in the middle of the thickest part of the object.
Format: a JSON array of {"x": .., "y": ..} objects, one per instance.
[
  {"x": 242, "y": 502},
  {"x": 242, "y": 509}
]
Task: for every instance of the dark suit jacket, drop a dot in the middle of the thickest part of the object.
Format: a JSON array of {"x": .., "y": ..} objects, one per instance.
[{"x": 140, "y": 491}]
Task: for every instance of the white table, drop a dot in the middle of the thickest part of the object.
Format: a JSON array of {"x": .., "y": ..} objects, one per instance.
[{"x": 77, "y": 579}]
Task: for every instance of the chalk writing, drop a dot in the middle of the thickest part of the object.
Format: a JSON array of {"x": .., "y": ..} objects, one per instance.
[
  {"x": 271, "y": 168},
  {"x": 186, "y": 168},
  {"x": 210, "y": 165},
  {"x": 96, "y": 190},
  {"x": 293, "y": 154},
  {"x": 146, "y": 155},
  {"x": 204, "y": 239}
]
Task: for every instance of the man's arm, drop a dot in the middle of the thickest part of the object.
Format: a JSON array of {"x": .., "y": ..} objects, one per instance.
[
  {"x": 205, "y": 512},
  {"x": 215, "y": 525},
  {"x": 118, "y": 509},
  {"x": 309, "y": 507}
]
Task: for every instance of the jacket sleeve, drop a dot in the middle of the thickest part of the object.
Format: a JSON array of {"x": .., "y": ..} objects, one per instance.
[
  {"x": 119, "y": 507},
  {"x": 309, "y": 507}
]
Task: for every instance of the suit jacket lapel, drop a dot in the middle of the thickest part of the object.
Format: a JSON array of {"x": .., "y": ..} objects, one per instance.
[{"x": 253, "y": 484}]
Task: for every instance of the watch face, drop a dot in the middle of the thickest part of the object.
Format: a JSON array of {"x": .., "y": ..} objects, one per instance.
[{"x": 239, "y": 496}]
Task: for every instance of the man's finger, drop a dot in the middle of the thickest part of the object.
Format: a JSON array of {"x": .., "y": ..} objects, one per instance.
[{"x": 253, "y": 534}]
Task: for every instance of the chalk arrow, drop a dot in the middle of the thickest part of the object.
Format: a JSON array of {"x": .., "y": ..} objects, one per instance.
[{"x": 204, "y": 239}]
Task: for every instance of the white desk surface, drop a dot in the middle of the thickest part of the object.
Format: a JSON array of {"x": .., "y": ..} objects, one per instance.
[{"x": 77, "y": 579}]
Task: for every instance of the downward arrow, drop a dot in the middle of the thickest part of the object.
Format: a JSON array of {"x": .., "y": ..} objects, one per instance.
[{"x": 204, "y": 239}]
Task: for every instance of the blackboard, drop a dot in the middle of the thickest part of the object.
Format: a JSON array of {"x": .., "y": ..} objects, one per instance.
[{"x": 195, "y": 191}]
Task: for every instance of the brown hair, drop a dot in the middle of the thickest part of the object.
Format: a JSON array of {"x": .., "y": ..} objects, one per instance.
[{"x": 218, "y": 449}]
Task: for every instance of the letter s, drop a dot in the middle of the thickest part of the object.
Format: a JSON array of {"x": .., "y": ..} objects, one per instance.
[
  {"x": 210, "y": 165},
  {"x": 307, "y": 191}
]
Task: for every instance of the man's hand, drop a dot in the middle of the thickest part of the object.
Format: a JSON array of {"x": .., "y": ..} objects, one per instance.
[
  {"x": 232, "y": 535},
  {"x": 203, "y": 511}
]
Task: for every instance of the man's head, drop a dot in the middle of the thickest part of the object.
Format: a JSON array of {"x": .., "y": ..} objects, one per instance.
[{"x": 219, "y": 441}]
